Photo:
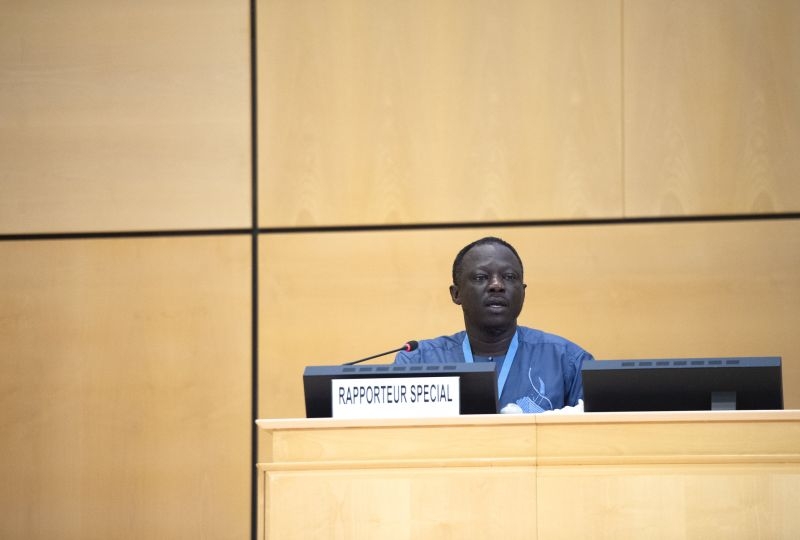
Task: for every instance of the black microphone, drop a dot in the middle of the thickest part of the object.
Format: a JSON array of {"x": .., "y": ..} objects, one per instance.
[{"x": 408, "y": 347}]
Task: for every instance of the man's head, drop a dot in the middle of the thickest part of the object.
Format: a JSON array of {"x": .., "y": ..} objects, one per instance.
[
  {"x": 488, "y": 284},
  {"x": 458, "y": 263}
]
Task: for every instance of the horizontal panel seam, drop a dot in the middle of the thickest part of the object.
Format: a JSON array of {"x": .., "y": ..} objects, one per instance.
[{"x": 402, "y": 227}]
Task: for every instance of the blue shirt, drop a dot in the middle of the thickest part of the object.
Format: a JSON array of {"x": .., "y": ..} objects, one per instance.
[{"x": 545, "y": 374}]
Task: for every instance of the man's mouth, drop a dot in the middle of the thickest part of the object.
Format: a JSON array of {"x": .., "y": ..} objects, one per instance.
[{"x": 496, "y": 303}]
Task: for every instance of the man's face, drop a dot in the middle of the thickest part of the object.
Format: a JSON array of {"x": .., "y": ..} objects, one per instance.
[{"x": 489, "y": 289}]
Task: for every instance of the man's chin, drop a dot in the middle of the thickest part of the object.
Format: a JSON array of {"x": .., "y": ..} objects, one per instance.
[{"x": 497, "y": 328}]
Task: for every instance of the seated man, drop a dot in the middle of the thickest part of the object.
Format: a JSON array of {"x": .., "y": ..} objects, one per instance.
[{"x": 537, "y": 371}]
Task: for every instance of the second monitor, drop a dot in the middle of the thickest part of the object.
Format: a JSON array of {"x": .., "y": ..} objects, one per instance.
[{"x": 683, "y": 384}]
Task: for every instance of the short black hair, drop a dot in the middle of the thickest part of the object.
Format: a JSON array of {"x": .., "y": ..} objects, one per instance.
[{"x": 457, "y": 263}]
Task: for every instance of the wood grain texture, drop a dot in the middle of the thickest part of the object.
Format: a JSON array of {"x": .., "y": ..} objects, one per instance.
[
  {"x": 389, "y": 480},
  {"x": 669, "y": 475},
  {"x": 421, "y": 112},
  {"x": 125, "y": 388},
  {"x": 748, "y": 501},
  {"x": 429, "y": 503},
  {"x": 625, "y": 291},
  {"x": 727, "y": 474},
  {"x": 668, "y": 438},
  {"x": 712, "y": 106},
  {"x": 450, "y": 442},
  {"x": 124, "y": 115}
]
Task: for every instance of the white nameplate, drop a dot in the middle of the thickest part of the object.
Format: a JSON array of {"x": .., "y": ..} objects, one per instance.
[{"x": 395, "y": 397}]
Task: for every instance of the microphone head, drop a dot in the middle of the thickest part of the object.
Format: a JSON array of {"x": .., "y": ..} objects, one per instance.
[{"x": 411, "y": 346}]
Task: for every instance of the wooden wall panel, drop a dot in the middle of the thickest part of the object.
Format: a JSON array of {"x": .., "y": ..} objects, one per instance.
[
  {"x": 125, "y": 388},
  {"x": 625, "y": 291},
  {"x": 375, "y": 111},
  {"x": 124, "y": 115},
  {"x": 712, "y": 106}
]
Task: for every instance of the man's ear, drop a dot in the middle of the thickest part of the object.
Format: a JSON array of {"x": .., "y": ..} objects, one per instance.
[{"x": 454, "y": 294}]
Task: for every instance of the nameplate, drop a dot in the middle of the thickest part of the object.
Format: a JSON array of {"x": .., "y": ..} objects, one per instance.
[{"x": 396, "y": 397}]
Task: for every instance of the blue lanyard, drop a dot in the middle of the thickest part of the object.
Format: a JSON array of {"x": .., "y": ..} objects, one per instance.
[{"x": 512, "y": 352}]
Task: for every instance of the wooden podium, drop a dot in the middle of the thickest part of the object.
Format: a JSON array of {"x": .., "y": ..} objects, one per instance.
[{"x": 727, "y": 474}]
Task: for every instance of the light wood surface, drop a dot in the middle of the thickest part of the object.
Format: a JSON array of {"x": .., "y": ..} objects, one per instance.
[
  {"x": 671, "y": 475},
  {"x": 745, "y": 502},
  {"x": 433, "y": 504},
  {"x": 712, "y": 107},
  {"x": 421, "y": 112},
  {"x": 627, "y": 291},
  {"x": 124, "y": 115},
  {"x": 599, "y": 475},
  {"x": 696, "y": 437},
  {"x": 399, "y": 480},
  {"x": 374, "y": 111},
  {"x": 125, "y": 388}
]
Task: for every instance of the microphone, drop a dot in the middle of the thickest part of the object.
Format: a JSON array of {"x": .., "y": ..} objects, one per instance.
[{"x": 408, "y": 347}]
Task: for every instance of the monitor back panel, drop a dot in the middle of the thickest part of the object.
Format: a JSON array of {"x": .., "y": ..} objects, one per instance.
[{"x": 681, "y": 384}]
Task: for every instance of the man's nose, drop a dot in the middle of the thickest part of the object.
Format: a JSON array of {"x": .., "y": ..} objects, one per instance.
[{"x": 496, "y": 283}]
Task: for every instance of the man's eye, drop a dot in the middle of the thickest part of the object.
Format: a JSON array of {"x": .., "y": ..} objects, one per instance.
[
  {"x": 510, "y": 277},
  {"x": 480, "y": 277}
]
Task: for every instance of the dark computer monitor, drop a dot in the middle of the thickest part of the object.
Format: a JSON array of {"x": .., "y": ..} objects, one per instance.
[
  {"x": 477, "y": 383},
  {"x": 684, "y": 384}
]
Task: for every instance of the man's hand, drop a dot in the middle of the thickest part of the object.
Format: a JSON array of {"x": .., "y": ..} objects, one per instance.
[{"x": 576, "y": 409}]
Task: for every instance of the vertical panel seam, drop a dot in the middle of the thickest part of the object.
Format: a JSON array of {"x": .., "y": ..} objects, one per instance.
[
  {"x": 622, "y": 106},
  {"x": 253, "y": 271}
]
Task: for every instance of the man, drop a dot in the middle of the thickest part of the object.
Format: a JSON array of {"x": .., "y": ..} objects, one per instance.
[{"x": 537, "y": 371}]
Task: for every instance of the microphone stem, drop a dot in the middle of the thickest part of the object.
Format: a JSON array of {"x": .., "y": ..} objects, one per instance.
[{"x": 374, "y": 356}]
